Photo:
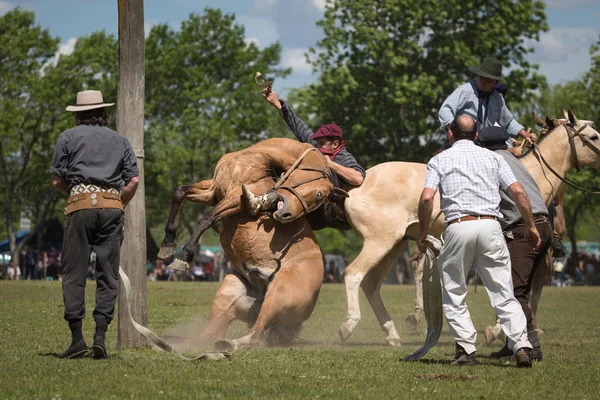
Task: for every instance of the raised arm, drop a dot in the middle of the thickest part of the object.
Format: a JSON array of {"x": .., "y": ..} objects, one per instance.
[{"x": 296, "y": 125}]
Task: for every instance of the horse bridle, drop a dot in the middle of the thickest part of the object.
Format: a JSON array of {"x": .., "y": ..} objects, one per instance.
[
  {"x": 325, "y": 174},
  {"x": 572, "y": 134}
]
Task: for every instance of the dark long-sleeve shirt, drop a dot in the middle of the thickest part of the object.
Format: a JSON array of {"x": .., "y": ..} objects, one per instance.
[
  {"x": 303, "y": 133},
  {"x": 96, "y": 155}
]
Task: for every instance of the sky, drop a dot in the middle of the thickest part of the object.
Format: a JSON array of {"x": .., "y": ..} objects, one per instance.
[{"x": 562, "y": 53}]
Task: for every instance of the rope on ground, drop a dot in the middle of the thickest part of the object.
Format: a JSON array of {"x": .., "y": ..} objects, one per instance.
[
  {"x": 157, "y": 340},
  {"x": 432, "y": 298}
]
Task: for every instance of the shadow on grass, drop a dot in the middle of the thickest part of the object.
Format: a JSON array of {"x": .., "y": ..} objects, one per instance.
[
  {"x": 87, "y": 356},
  {"x": 485, "y": 363}
]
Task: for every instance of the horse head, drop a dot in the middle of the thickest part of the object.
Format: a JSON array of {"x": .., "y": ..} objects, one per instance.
[
  {"x": 304, "y": 187},
  {"x": 585, "y": 142}
]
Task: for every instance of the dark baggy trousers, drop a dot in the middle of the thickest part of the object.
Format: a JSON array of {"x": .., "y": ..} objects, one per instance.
[
  {"x": 100, "y": 230},
  {"x": 525, "y": 261}
]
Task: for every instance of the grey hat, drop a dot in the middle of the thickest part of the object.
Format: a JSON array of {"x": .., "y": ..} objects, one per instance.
[{"x": 491, "y": 68}]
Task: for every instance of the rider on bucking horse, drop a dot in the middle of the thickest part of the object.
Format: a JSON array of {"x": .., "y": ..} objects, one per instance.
[{"x": 329, "y": 140}]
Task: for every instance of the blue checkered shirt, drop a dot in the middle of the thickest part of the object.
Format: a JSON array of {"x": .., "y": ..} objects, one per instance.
[{"x": 469, "y": 178}]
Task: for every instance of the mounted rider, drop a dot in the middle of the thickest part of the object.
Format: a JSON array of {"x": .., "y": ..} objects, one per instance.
[
  {"x": 479, "y": 100},
  {"x": 330, "y": 142}
]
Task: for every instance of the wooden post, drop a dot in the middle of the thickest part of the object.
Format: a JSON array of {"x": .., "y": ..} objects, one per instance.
[{"x": 130, "y": 122}]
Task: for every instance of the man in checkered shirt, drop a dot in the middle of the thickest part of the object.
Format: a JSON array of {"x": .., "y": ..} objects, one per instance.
[{"x": 469, "y": 178}]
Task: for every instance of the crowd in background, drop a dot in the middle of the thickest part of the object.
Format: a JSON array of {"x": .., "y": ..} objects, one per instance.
[
  {"x": 34, "y": 265},
  {"x": 584, "y": 270},
  {"x": 40, "y": 265}
]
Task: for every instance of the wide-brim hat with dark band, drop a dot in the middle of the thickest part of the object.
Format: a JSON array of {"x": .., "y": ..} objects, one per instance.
[
  {"x": 490, "y": 68},
  {"x": 329, "y": 130},
  {"x": 89, "y": 100}
]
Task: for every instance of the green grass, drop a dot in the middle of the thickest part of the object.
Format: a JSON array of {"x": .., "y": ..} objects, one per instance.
[{"x": 31, "y": 327}]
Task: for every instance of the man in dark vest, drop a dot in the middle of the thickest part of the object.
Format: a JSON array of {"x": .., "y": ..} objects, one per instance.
[{"x": 97, "y": 167}]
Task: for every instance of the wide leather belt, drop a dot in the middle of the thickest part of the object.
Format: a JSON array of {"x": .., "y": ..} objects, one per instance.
[
  {"x": 84, "y": 201},
  {"x": 472, "y": 218}
]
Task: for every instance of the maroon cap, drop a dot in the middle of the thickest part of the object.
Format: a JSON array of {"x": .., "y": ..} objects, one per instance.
[{"x": 329, "y": 130}]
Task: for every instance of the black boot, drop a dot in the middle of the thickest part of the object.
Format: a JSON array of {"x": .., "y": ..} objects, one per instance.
[
  {"x": 78, "y": 347},
  {"x": 504, "y": 352},
  {"x": 99, "y": 348}
]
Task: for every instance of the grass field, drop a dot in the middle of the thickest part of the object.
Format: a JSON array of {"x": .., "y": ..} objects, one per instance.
[{"x": 32, "y": 329}]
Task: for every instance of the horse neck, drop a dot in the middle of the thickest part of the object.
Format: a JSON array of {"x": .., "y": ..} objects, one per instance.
[{"x": 556, "y": 151}]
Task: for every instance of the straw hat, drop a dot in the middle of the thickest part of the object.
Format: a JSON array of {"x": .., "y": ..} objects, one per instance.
[{"x": 89, "y": 100}]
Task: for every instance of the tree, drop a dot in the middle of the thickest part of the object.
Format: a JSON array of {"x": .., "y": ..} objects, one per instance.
[
  {"x": 24, "y": 49},
  {"x": 201, "y": 102},
  {"x": 386, "y": 66},
  {"x": 33, "y": 95}
]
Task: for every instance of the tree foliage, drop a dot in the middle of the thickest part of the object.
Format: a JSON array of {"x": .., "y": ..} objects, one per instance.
[
  {"x": 201, "y": 102},
  {"x": 387, "y": 66}
]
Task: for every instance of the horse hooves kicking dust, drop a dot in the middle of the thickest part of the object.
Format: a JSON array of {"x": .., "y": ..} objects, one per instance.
[{"x": 277, "y": 265}]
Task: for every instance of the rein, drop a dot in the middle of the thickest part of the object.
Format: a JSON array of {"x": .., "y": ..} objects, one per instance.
[
  {"x": 572, "y": 133},
  {"x": 279, "y": 185}
]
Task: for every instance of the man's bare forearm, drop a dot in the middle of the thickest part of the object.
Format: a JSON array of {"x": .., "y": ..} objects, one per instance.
[
  {"x": 522, "y": 202},
  {"x": 350, "y": 175},
  {"x": 129, "y": 190},
  {"x": 424, "y": 213}
]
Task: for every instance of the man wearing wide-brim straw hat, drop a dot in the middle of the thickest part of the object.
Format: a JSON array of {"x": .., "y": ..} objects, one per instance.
[
  {"x": 480, "y": 101},
  {"x": 97, "y": 167}
]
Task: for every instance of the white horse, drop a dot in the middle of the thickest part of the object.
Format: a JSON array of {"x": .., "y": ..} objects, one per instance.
[{"x": 383, "y": 211}]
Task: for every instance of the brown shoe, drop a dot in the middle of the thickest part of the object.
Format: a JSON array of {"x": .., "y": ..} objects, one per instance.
[
  {"x": 462, "y": 358},
  {"x": 522, "y": 357}
]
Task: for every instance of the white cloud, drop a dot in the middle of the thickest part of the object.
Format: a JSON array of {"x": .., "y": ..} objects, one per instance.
[
  {"x": 295, "y": 59},
  {"x": 5, "y": 7},
  {"x": 562, "y": 4},
  {"x": 259, "y": 30},
  {"x": 66, "y": 48},
  {"x": 147, "y": 28},
  {"x": 254, "y": 40},
  {"x": 320, "y": 4},
  {"x": 561, "y": 43},
  {"x": 265, "y": 4}
]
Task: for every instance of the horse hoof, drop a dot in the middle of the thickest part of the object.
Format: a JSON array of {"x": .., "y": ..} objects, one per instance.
[
  {"x": 394, "y": 342},
  {"x": 179, "y": 265},
  {"x": 489, "y": 335},
  {"x": 166, "y": 252},
  {"x": 344, "y": 333},
  {"x": 412, "y": 321},
  {"x": 224, "y": 345}
]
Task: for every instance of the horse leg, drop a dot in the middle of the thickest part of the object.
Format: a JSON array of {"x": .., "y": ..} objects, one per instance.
[
  {"x": 198, "y": 192},
  {"x": 290, "y": 300},
  {"x": 371, "y": 286},
  {"x": 232, "y": 301},
  {"x": 413, "y": 319},
  {"x": 493, "y": 332},
  {"x": 370, "y": 256},
  {"x": 227, "y": 207}
]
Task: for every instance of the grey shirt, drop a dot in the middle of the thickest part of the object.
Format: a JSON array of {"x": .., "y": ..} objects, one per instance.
[
  {"x": 508, "y": 208},
  {"x": 466, "y": 99},
  {"x": 96, "y": 155},
  {"x": 303, "y": 133}
]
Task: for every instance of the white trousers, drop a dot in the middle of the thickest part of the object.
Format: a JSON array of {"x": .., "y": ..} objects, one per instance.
[{"x": 479, "y": 243}]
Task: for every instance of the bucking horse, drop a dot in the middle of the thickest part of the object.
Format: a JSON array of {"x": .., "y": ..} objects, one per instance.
[{"x": 277, "y": 267}]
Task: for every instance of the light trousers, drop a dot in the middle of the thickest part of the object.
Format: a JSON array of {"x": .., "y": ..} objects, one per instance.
[{"x": 479, "y": 243}]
